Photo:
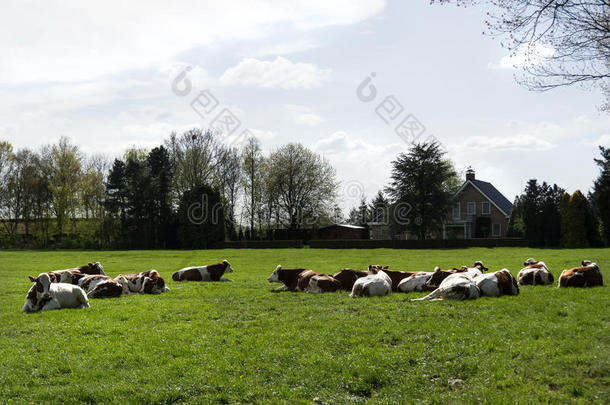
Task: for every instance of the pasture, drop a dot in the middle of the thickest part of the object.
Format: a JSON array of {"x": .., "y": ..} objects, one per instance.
[{"x": 237, "y": 342}]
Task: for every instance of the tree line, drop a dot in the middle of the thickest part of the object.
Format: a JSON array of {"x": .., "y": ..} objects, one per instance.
[{"x": 190, "y": 191}]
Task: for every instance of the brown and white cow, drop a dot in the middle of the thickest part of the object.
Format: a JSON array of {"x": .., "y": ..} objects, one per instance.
[
  {"x": 438, "y": 276},
  {"x": 395, "y": 275},
  {"x": 587, "y": 275},
  {"x": 146, "y": 282},
  {"x": 321, "y": 283},
  {"x": 96, "y": 285},
  {"x": 304, "y": 278},
  {"x": 45, "y": 295},
  {"x": 90, "y": 268},
  {"x": 416, "y": 282},
  {"x": 288, "y": 277},
  {"x": 377, "y": 283},
  {"x": 347, "y": 277},
  {"x": 211, "y": 272},
  {"x": 457, "y": 286},
  {"x": 535, "y": 272},
  {"x": 495, "y": 284}
]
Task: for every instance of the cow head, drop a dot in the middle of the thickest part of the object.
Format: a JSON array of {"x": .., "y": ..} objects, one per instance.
[
  {"x": 274, "y": 277},
  {"x": 479, "y": 265},
  {"x": 154, "y": 283},
  {"x": 507, "y": 283},
  {"x": 529, "y": 262},
  {"x": 228, "y": 268},
  {"x": 71, "y": 277},
  {"x": 38, "y": 295}
]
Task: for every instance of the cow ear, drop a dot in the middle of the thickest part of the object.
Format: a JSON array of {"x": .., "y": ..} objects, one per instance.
[
  {"x": 437, "y": 269},
  {"x": 90, "y": 265},
  {"x": 386, "y": 267},
  {"x": 32, "y": 279}
]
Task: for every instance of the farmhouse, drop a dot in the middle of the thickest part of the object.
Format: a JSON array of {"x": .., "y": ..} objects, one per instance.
[{"x": 480, "y": 211}]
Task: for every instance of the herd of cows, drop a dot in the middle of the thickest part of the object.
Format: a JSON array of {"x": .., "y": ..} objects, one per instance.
[{"x": 72, "y": 288}]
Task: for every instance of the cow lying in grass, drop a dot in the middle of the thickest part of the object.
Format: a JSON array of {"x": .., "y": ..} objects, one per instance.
[
  {"x": 147, "y": 282},
  {"x": 457, "y": 286},
  {"x": 299, "y": 279},
  {"x": 439, "y": 275},
  {"x": 45, "y": 295},
  {"x": 288, "y": 277},
  {"x": 91, "y": 268},
  {"x": 96, "y": 286},
  {"x": 472, "y": 283},
  {"x": 321, "y": 283},
  {"x": 211, "y": 272},
  {"x": 535, "y": 273},
  {"x": 395, "y": 275},
  {"x": 347, "y": 278},
  {"x": 587, "y": 275},
  {"x": 497, "y": 284},
  {"x": 376, "y": 283},
  {"x": 415, "y": 282}
]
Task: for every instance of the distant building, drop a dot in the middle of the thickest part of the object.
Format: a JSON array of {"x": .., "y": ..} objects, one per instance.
[
  {"x": 481, "y": 211},
  {"x": 342, "y": 231}
]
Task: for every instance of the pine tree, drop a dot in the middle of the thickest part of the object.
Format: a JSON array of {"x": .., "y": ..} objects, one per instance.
[{"x": 601, "y": 193}]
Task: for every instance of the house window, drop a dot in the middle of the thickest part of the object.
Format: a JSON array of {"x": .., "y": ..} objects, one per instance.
[
  {"x": 471, "y": 208},
  {"x": 495, "y": 230},
  {"x": 456, "y": 212},
  {"x": 485, "y": 209}
]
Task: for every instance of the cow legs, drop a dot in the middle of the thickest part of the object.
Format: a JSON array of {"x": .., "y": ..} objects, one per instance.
[{"x": 53, "y": 304}]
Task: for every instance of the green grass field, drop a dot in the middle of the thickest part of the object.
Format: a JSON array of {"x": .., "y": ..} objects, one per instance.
[{"x": 238, "y": 342}]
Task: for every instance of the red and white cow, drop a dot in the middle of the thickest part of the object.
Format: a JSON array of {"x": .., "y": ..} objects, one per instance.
[
  {"x": 288, "y": 277},
  {"x": 211, "y": 272},
  {"x": 347, "y": 278},
  {"x": 438, "y": 276},
  {"x": 457, "y": 286},
  {"x": 91, "y": 268},
  {"x": 496, "y": 284},
  {"x": 535, "y": 273},
  {"x": 45, "y": 295},
  {"x": 321, "y": 283},
  {"x": 415, "y": 282},
  {"x": 377, "y": 283},
  {"x": 96, "y": 286},
  {"x": 147, "y": 282},
  {"x": 588, "y": 275},
  {"x": 395, "y": 275}
]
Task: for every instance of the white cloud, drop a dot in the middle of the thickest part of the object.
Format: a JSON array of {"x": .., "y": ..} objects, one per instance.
[
  {"x": 284, "y": 48},
  {"x": 64, "y": 41},
  {"x": 279, "y": 72},
  {"x": 302, "y": 115},
  {"x": 526, "y": 55},
  {"x": 603, "y": 140},
  {"x": 521, "y": 142}
]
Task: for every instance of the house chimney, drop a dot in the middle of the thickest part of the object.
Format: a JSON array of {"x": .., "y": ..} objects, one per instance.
[{"x": 469, "y": 174}]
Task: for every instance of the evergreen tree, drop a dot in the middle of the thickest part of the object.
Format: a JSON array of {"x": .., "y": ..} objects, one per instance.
[
  {"x": 422, "y": 180},
  {"x": 601, "y": 193},
  {"x": 564, "y": 213},
  {"x": 201, "y": 218}
]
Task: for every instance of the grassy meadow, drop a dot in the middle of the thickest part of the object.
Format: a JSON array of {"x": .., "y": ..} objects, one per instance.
[{"x": 237, "y": 342}]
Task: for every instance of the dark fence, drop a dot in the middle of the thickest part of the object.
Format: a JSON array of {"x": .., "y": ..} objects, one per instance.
[
  {"x": 415, "y": 244},
  {"x": 259, "y": 244}
]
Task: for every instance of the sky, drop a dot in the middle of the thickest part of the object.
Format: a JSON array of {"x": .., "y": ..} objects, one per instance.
[{"x": 337, "y": 76}]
